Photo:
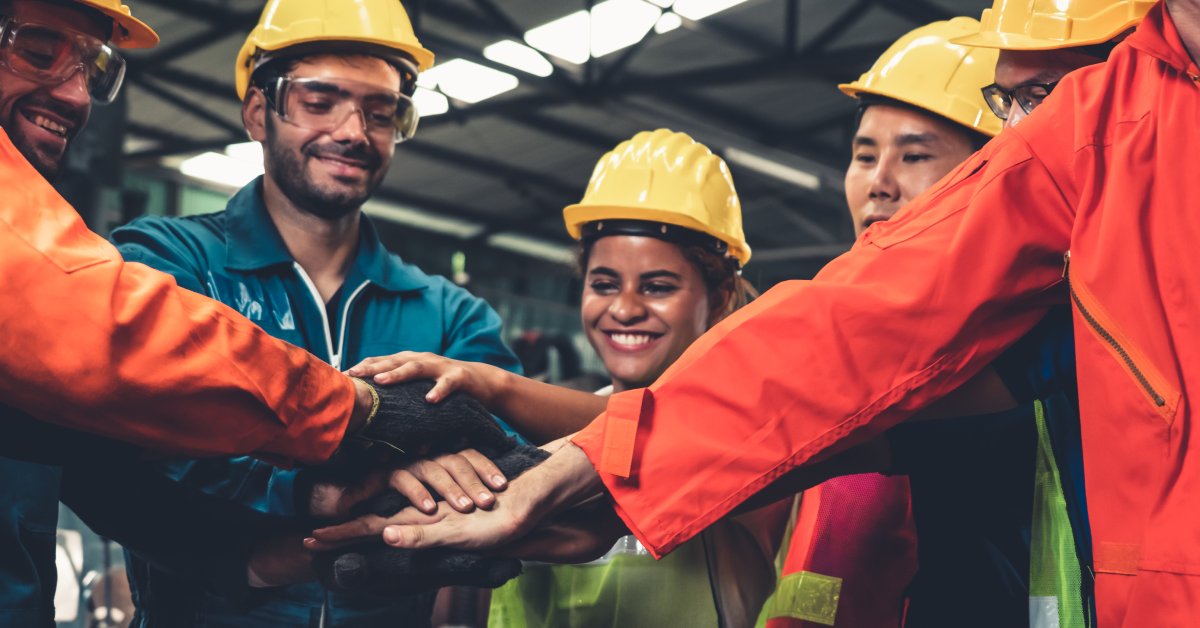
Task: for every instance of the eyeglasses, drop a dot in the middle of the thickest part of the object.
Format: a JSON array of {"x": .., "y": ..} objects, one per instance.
[
  {"x": 1000, "y": 100},
  {"x": 51, "y": 56},
  {"x": 324, "y": 105}
]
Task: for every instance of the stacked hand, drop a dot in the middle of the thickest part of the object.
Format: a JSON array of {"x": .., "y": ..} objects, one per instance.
[{"x": 452, "y": 452}]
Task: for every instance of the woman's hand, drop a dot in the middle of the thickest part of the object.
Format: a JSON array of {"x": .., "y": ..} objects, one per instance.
[
  {"x": 481, "y": 381},
  {"x": 465, "y": 480}
]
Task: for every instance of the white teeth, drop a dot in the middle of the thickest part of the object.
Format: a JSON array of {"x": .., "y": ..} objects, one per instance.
[
  {"x": 50, "y": 125},
  {"x": 631, "y": 340}
]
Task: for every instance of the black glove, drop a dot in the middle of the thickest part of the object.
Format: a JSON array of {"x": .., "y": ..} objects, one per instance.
[
  {"x": 406, "y": 428},
  {"x": 407, "y": 423},
  {"x": 376, "y": 567}
]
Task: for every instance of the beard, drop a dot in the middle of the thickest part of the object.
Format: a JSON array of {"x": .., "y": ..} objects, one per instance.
[
  {"x": 48, "y": 161},
  {"x": 325, "y": 202}
]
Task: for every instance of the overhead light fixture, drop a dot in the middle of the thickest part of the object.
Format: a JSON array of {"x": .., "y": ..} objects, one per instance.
[
  {"x": 234, "y": 168},
  {"x": 611, "y": 26},
  {"x": 430, "y": 102},
  {"x": 663, "y": 4},
  {"x": 422, "y": 219},
  {"x": 533, "y": 247},
  {"x": 468, "y": 81},
  {"x": 565, "y": 38},
  {"x": 519, "y": 56},
  {"x": 618, "y": 24},
  {"x": 700, "y": 9},
  {"x": 668, "y": 22},
  {"x": 246, "y": 152},
  {"x": 772, "y": 168}
]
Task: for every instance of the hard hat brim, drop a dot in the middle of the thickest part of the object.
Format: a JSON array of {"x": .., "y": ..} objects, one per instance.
[
  {"x": 422, "y": 56},
  {"x": 854, "y": 90},
  {"x": 1014, "y": 41},
  {"x": 128, "y": 31},
  {"x": 577, "y": 215}
]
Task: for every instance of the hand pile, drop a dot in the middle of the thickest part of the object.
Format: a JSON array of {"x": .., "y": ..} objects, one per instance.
[{"x": 406, "y": 428}]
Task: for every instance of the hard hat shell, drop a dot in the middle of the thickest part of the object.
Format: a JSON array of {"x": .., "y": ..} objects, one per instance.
[
  {"x": 1054, "y": 24},
  {"x": 666, "y": 177},
  {"x": 128, "y": 31},
  {"x": 287, "y": 23},
  {"x": 924, "y": 69}
]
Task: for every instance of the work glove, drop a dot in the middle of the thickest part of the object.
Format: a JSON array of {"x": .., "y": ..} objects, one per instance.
[
  {"x": 411, "y": 426},
  {"x": 375, "y": 567}
]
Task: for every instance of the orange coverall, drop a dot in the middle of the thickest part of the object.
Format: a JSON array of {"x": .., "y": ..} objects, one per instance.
[
  {"x": 1106, "y": 169},
  {"x": 92, "y": 343}
]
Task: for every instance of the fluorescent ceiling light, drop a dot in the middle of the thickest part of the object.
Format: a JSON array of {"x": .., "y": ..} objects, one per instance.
[
  {"x": 249, "y": 153},
  {"x": 618, "y": 24},
  {"x": 533, "y": 247},
  {"x": 423, "y": 219},
  {"x": 699, "y": 9},
  {"x": 668, "y": 22},
  {"x": 665, "y": 4},
  {"x": 565, "y": 38},
  {"x": 470, "y": 82},
  {"x": 234, "y": 168},
  {"x": 771, "y": 168},
  {"x": 519, "y": 56},
  {"x": 430, "y": 103},
  {"x": 611, "y": 26}
]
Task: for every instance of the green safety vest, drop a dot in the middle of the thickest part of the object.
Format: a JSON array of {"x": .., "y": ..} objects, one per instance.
[
  {"x": 629, "y": 590},
  {"x": 1055, "y": 578}
]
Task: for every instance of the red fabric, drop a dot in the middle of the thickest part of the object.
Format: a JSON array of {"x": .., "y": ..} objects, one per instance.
[
  {"x": 858, "y": 528},
  {"x": 1106, "y": 169},
  {"x": 92, "y": 343}
]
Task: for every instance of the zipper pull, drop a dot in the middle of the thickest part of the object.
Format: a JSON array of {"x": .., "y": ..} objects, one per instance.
[{"x": 1066, "y": 264}]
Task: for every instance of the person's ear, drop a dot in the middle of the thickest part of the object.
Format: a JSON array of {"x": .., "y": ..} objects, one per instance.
[{"x": 254, "y": 114}]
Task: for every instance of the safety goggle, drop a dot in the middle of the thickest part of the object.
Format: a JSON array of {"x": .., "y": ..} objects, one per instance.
[
  {"x": 324, "y": 105},
  {"x": 51, "y": 56},
  {"x": 1000, "y": 100}
]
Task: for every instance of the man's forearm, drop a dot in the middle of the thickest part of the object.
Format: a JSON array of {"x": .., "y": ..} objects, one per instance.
[{"x": 97, "y": 344}]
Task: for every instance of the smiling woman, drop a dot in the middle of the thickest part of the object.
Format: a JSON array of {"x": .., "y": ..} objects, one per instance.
[
  {"x": 646, "y": 299},
  {"x": 661, "y": 247}
]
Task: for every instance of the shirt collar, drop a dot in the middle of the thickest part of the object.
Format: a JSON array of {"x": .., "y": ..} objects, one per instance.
[
  {"x": 1158, "y": 37},
  {"x": 253, "y": 243}
]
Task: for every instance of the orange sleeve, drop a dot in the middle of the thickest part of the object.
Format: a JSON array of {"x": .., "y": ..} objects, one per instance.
[
  {"x": 95, "y": 344},
  {"x": 917, "y": 307}
]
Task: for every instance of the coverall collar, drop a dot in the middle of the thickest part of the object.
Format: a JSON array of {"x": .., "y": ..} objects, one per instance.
[
  {"x": 253, "y": 243},
  {"x": 1158, "y": 37}
]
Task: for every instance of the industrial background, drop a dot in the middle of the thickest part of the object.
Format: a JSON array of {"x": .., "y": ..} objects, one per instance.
[{"x": 525, "y": 97}]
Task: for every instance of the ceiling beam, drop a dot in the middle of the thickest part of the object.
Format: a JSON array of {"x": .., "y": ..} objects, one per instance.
[
  {"x": 838, "y": 27},
  {"x": 542, "y": 122},
  {"x": 186, "y": 105},
  {"x": 916, "y": 11},
  {"x": 484, "y": 165}
]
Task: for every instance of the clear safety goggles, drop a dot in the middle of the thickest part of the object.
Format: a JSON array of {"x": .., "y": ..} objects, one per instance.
[
  {"x": 51, "y": 56},
  {"x": 324, "y": 105},
  {"x": 1000, "y": 100}
]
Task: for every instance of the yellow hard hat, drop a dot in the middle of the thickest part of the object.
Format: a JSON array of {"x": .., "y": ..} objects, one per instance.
[
  {"x": 664, "y": 177},
  {"x": 128, "y": 31},
  {"x": 924, "y": 69},
  {"x": 287, "y": 23},
  {"x": 1051, "y": 24}
]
